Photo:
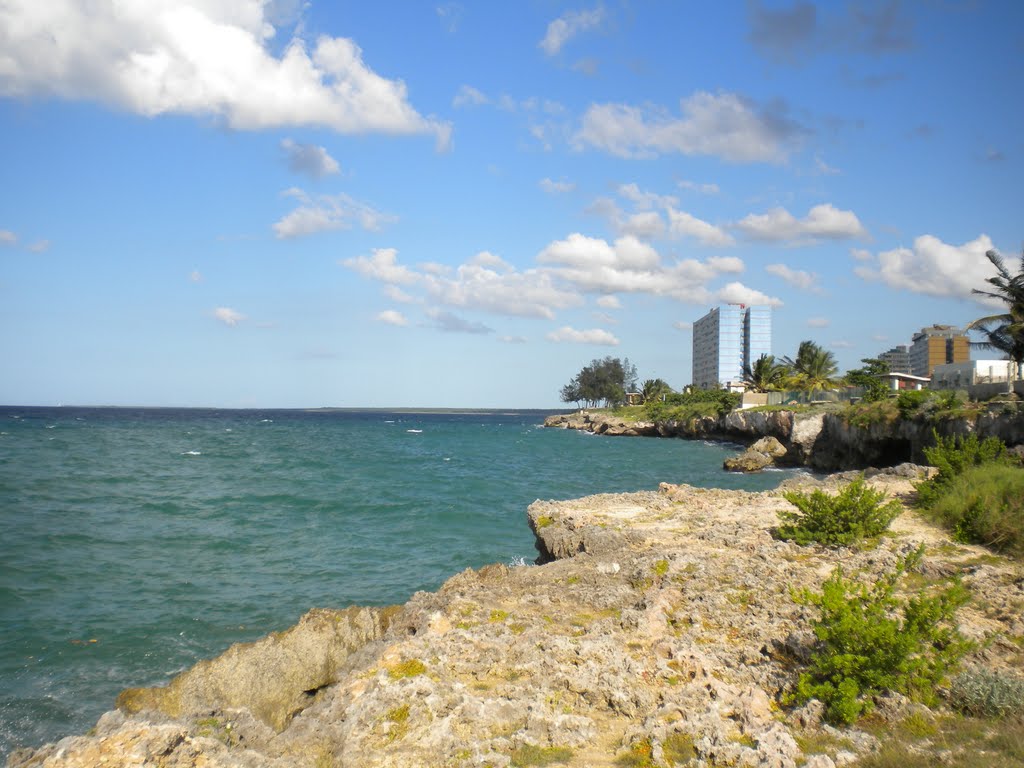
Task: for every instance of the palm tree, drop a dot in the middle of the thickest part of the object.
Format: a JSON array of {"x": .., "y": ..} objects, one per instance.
[
  {"x": 814, "y": 367},
  {"x": 1003, "y": 332},
  {"x": 654, "y": 389},
  {"x": 764, "y": 375}
]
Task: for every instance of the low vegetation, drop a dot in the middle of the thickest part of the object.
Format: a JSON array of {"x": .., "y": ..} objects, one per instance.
[
  {"x": 953, "y": 740},
  {"x": 690, "y": 405},
  {"x": 987, "y": 693},
  {"x": 530, "y": 755},
  {"x": 984, "y": 505},
  {"x": 855, "y": 513},
  {"x": 870, "y": 641},
  {"x": 977, "y": 493}
]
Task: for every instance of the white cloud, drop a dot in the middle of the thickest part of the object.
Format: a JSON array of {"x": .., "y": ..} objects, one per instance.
[
  {"x": 818, "y": 322},
  {"x": 512, "y": 339},
  {"x": 738, "y": 293},
  {"x": 204, "y": 57},
  {"x": 309, "y": 159},
  {"x": 726, "y": 264},
  {"x": 325, "y": 213},
  {"x": 841, "y": 344},
  {"x": 609, "y": 302},
  {"x": 382, "y": 265},
  {"x": 631, "y": 266},
  {"x": 933, "y": 267},
  {"x": 646, "y": 224},
  {"x": 468, "y": 96},
  {"x": 593, "y": 336},
  {"x": 486, "y": 283},
  {"x": 530, "y": 293},
  {"x": 228, "y": 316},
  {"x": 798, "y": 278},
  {"x": 683, "y": 224},
  {"x": 704, "y": 189},
  {"x": 556, "y": 187},
  {"x": 821, "y": 222},
  {"x": 396, "y": 294},
  {"x": 392, "y": 317},
  {"x": 861, "y": 254},
  {"x": 7, "y": 237},
  {"x": 722, "y": 125},
  {"x": 682, "y": 325},
  {"x": 582, "y": 251},
  {"x": 644, "y": 200},
  {"x": 567, "y": 26}
]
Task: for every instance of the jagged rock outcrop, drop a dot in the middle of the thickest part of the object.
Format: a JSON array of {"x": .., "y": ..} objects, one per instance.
[
  {"x": 824, "y": 440},
  {"x": 760, "y": 455},
  {"x": 275, "y": 677},
  {"x": 662, "y": 620}
]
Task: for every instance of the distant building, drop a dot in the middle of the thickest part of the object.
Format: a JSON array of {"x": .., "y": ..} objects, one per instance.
[
  {"x": 725, "y": 340},
  {"x": 897, "y": 358},
  {"x": 937, "y": 345},
  {"x": 967, "y": 374}
]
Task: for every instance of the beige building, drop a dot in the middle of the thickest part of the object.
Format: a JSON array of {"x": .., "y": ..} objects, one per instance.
[{"x": 938, "y": 345}]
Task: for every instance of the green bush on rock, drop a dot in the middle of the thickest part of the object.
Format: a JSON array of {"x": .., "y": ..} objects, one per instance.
[
  {"x": 855, "y": 513},
  {"x": 870, "y": 641},
  {"x": 952, "y": 456},
  {"x": 984, "y": 505}
]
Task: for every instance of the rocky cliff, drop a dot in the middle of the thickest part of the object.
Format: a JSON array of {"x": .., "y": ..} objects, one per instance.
[
  {"x": 825, "y": 441},
  {"x": 660, "y": 631}
]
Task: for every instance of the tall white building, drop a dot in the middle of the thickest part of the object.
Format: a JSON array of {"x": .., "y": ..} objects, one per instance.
[{"x": 725, "y": 340}]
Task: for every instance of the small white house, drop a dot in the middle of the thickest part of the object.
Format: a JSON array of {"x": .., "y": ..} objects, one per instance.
[{"x": 961, "y": 375}]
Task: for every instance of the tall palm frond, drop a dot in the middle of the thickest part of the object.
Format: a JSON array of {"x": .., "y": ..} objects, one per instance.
[
  {"x": 764, "y": 375},
  {"x": 1003, "y": 332},
  {"x": 814, "y": 367}
]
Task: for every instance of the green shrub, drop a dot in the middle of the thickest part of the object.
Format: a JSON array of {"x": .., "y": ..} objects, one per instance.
[
  {"x": 983, "y": 505},
  {"x": 530, "y": 755},
  {"x": 856, "y": 512},
  {"x": 987, "y": 693},
  {"x": 952, "y": 456},
  {"x": 911, "y": 400},
  {"x": 864, "y": 414},
  {"x": 680, "y": 406},
  {"x": 870, "y": 641}
]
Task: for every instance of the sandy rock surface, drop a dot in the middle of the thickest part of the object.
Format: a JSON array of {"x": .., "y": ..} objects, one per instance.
[{"x": 662, "y": 622}]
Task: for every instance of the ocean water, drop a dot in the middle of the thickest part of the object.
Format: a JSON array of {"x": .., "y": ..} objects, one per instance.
[{"x": 135, "y": 542}]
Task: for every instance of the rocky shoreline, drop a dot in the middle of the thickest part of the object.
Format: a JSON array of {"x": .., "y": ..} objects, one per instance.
[
  {"x": 821, "y": 440},
  {"x": 660, "y": 624}
]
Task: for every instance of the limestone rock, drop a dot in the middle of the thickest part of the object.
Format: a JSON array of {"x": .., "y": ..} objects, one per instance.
[
  {"x": 275, "y": 677},
  {"x": 663, "y": 622},
  {"x": 748, "y": 461}
]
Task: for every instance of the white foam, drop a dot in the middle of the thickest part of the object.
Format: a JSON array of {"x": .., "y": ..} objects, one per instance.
[
  {"x": 192, "y": 453},
  {"x": 415, "y": 431}
]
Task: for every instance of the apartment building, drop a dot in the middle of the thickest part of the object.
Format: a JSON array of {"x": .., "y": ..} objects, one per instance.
[
  {"x": 725, "y": 340},
  {"x": 938, "y": 345},
  {"x": 897, "y": 358}
]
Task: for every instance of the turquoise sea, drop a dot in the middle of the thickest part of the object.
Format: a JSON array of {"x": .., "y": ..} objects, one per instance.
[{"x": 137, "y": 541}]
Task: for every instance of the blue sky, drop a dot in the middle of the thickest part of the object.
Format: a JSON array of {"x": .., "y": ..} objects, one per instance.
[{"x": 297, "y": 204}]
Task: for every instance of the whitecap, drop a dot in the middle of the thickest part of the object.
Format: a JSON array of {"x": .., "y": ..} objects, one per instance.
[
  {"x": 192, "y": 453},
  {"x": 415, "y": 431}
]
